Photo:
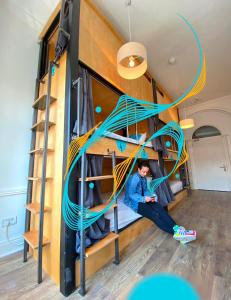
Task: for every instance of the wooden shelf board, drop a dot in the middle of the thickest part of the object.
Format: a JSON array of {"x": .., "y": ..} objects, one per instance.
[
  {"x": 40, "y": 103},
  {"x": 37, "y": 178},
  {"x": 40, "y": 150},
  {"x": 34, "y": 208},
  {"x": 32, "y": 238},
  {"x": 101, "y": 207},
  {"x": 97, "y": 178},
  {"x": 101, "y": 244},
  {"x": 40, "y": 126}
]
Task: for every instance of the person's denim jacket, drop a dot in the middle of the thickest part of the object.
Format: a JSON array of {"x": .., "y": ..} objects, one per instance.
[{"x": 133, "y": 194}]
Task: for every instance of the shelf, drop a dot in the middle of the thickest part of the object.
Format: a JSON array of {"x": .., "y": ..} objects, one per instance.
[
  {"x": 37, "y": 178},
  {"x": 40, "y": 103},
  {"x": 97, "y": 178},
  {"x": 40, "y": 151},
  {"x": 34, "y": 208},
  {"x": 32, "y": 239},
  {"x": 101, "y": 244},
  {"x": 40, "y": 126},
  {"x": 101, "y": 207}
]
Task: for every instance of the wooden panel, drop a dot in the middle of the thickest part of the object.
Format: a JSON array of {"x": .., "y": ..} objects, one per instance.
[
  {"x": 101, "y": 244},
  {"x": 97, "y": 178},
  {"x": 170, "y": 114},
  {"x": 32, "y": 239},
  {"x": 34, "y": 208},
  {"x": 40, "y": 103},
  {"x": 101, "y": 207},
  {"x": 99, "y": 43},
  {"x": 53, "y": 194},
  {"x": 106, "y": 145}
]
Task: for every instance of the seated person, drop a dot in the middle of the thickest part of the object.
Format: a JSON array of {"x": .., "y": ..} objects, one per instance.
[{"x": 139, "y": 198}]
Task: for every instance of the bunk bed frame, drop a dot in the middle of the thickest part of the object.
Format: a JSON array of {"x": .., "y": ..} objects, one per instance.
[{"x": 65, "y": 270}]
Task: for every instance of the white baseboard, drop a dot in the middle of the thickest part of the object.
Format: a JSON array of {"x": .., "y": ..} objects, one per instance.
[{"x": 15, "y": 245}]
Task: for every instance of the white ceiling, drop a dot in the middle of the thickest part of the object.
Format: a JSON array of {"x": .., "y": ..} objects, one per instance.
[{"x": 157, "y": 26}]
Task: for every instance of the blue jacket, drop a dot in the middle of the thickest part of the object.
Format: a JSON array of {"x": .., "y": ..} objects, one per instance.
[{"x": 136, "y": 184}]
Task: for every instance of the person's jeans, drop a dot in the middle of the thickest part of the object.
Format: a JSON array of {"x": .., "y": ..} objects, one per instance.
[{"x": 156, "y": 213}]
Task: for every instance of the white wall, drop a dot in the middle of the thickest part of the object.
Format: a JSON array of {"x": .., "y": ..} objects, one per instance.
[
  {"x": 216, "y": 113},
  {"x": 19, "y": 55}
]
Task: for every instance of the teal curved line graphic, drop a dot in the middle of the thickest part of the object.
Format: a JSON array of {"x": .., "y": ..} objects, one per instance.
[{"x": 128, "y": 111}]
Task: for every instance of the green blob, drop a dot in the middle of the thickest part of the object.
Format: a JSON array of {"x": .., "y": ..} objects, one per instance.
[
  {"x": 98, "y": 109},
  {"x": 177, "y": 176},
  {"x": 168, "y": 144},
  {"x": 53, "y": 69},
  {"x": 91, "y": 185}
]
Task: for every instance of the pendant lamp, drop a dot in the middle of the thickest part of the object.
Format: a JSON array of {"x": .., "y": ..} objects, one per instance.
[
  {"x": 186, "y": 123},
  {"x": 132, "y": 56}
]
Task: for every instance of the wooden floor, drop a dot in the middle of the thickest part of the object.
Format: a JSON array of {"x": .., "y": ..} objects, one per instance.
[{"x": 206, "y": 263}]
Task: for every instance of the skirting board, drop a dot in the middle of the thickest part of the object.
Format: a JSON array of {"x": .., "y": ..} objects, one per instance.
[{"x": 128, "y": 235}]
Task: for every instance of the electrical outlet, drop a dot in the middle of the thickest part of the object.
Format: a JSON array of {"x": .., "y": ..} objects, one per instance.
[{"x": 9, "y": 221}]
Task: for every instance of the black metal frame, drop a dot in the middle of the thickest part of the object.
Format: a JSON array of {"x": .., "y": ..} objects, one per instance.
[{"x": 67, "y": 238}]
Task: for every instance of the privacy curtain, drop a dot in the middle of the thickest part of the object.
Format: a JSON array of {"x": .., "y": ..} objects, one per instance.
[
  {"x": 101, "y": 227},
  {"x": 164, "y": 193},
  {"x": 157, "y": 143}
]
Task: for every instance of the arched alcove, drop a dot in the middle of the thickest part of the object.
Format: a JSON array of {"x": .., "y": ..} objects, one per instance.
[{"x": 205, "y": 131}]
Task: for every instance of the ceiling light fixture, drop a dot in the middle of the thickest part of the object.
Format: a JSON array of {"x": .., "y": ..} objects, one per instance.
[
  {"x": 186, "y": 123},
  {"x": 132, "y": 56}
]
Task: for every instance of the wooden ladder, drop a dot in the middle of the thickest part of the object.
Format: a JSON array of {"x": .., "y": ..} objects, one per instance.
[
  {"x": 111, "y": 237},
  {"x": 35, "y": 238}
]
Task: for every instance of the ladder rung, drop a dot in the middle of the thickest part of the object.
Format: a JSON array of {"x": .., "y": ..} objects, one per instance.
[
  {"x": 97, "y": 178},
  {"x": 101, "y": 244},
  {"x": 40, "y": 103},
  {"x": 40, "y": 151},
  {"x": 37, "y": 178},
  {"x": 101, "y": 207},
  {"x": 34, "y": 208},
  {"x": 40, "y": 126},
  {"x": 32, "y": 238}
]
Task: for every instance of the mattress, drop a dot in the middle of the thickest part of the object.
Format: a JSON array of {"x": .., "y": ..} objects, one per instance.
[
  {"x": 125, "y": 139},
  {"x": 176, "y": 186},
  {"x": 125, "y": 214}
]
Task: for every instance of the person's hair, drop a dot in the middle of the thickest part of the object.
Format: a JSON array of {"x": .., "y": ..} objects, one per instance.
[{"x": 143, "y": 163}]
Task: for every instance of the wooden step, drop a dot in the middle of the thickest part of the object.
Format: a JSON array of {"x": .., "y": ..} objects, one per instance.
[
  {"x": 40, "y": 126},
  {"x": 40, "y": 151},
  {"x": 40, "y": 103},
  {"x": 97, "y": 178},
  {"x": 37, "y": 178},
  {"x": 101, "y": 207},
  {"x": 101, "y": 244},
  {"x": 32, "y": 238},
  {"x": 34, "y": 208}
]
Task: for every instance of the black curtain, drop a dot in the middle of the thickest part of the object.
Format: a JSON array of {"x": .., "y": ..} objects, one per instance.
[
  {"x": 101, "y": 227},
  {"x": 158, "y": 143},
  {"x": 164, "y": 193}
]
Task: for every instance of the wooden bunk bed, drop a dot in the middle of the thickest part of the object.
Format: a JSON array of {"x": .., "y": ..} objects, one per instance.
[{"x": 93, "y": 42}]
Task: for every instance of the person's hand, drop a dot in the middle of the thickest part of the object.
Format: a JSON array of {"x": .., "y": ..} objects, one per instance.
[{"x": 149, "y": 199}]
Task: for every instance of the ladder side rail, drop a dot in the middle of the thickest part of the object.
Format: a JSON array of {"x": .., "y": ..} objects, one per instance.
[
  {"x": 31, "y": 160},
  {"x": 43, "y": 179}
]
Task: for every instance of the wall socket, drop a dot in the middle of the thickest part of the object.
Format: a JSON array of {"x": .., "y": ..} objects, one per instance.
[{"x": 9, "y": 221}]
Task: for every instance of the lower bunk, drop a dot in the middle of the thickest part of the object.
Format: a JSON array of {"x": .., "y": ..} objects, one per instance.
[{"x": 131, "y": 225}]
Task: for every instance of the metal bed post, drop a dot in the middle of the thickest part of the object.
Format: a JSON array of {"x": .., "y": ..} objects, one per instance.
[
  {"x": 82, "y": 289},
  {"x": 117, "y": 255}
]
